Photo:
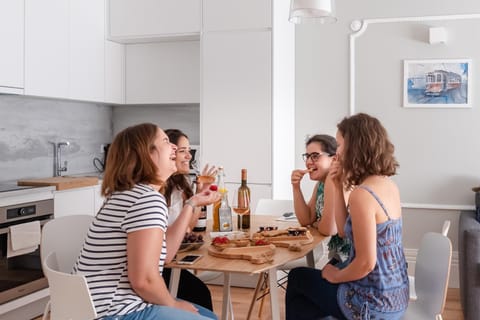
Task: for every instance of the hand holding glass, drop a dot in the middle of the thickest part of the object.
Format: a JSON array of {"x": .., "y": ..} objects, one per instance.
[{"x": 241, "y": 205}]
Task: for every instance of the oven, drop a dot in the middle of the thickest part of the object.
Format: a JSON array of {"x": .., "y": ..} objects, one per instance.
[{"x": 21, "y": 278}]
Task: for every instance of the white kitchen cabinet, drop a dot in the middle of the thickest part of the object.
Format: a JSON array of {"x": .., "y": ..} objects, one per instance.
[
  {"x": 236, "y": 106},
  {"x": 12, "y": 39},
  {"x": 74, "y": 201},
  {"x": 66, "y": 55},
  {"x": 114, "y": 72},
  {"x": 85, "y": 200},
  {"x": 87, "y": 50},
  {"x": 47, "y": 48},
  {"x": 152, "y": 20},
  {"x": 236, "y": 14},
  {"x": 163, "y": 72},
  {"x": 248, "y": 92}
]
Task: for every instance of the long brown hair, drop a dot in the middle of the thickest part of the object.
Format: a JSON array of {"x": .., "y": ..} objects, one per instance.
[
  {"x": 367, "y": 149},
  {"x": 178, "y": 181},
  {"x": 129, "y": 161}
]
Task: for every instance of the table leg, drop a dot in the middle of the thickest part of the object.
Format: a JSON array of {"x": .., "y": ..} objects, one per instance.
[
  {"x": 174, "y": 280},
  {"x": 272, "y": 278},
  {"x": 226, "y": 296},
  {"x": 310, "y": 259}
]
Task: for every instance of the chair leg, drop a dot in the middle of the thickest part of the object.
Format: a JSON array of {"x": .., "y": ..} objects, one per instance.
[
  {"x": 283, "y": 280},
  {"x": 265, "y": 291},
  {"x": 255, "y": 294},
  {"x": 46, "y": 311}
]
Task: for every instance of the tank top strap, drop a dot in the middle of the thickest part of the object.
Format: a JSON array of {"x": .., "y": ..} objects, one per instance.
[{"x": 376, "y": 198}]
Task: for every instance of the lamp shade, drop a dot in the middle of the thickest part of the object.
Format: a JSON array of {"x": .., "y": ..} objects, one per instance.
[{"x": 312, "y": 11}]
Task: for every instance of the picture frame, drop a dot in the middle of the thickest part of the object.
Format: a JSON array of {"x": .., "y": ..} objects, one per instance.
[{"x": 441, "y": 83}]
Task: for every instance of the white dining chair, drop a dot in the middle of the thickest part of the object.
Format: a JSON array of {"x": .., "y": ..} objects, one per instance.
[
  {"x": 64, "y": 236},
  {"x": 411, "y": 279},
  {"x": 69, "y": 293},
  {"x": 432, "y": 271}
]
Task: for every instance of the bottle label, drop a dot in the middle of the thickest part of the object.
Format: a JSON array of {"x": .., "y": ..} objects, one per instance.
[
  {"x": 225, "y": 219},
  {"x": 201, "y": 223}
]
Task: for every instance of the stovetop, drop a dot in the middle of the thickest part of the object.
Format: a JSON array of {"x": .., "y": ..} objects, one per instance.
[
  {"x": 11, "y": 193},
  {"x": 4, "y": 187}
]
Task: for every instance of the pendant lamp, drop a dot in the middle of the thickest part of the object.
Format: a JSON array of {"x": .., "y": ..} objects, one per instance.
[{"x": 312, "y": 11}]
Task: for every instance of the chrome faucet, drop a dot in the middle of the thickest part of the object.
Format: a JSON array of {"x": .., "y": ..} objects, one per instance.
[{"x": 57, "y": 158}]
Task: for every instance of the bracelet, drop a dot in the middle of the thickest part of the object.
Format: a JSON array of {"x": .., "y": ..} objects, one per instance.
[{"x": 189, "y": 202}]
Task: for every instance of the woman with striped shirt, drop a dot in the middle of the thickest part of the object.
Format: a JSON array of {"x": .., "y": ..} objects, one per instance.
[{"x": 128, "y": 242}]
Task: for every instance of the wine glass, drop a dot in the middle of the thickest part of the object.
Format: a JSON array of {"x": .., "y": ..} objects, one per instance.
[{"x": 241, "y": 205}]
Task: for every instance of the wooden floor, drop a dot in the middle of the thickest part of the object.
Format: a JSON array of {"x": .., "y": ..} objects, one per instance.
[{"x": 241, "y": 298}]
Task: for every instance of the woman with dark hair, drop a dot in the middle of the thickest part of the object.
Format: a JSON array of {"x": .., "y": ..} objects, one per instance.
[
  {"x": 178, "y": 190},
  {"x": 318, "y": 211},
  {"x": 129, "y": 241},
  {"x": 374, "y": 282}
]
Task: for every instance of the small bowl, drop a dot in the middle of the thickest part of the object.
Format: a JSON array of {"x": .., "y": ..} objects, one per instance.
[{"x": 189, "y": 246}]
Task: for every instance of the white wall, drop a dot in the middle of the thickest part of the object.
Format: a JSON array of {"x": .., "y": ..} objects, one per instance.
[{"x": 322, "y": 100}]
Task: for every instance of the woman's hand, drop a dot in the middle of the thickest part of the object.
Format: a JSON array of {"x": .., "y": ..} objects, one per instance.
[
  {"x": 185, "y": 305},
  {"x": 335, "y": 172},
  {"x": 208, "y": 171},
  {"x": 205, "y": 198},
  {"x": 329, "y": 273},
  {"x": 297, "y": 176}
]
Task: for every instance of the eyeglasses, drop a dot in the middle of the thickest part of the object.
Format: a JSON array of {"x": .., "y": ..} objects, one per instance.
[{"x": 314, "y": 156}]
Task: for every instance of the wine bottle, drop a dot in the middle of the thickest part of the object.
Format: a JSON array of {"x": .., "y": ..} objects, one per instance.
[
  {"x": 216, "y": 205},
  {"x": 202, "y": 220},
  {"x": 244, "y": 193},
  {"x": 225, "y": 214}
]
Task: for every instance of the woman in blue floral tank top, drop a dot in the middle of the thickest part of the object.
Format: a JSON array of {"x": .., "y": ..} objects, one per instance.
[{"x": 373, "y": 284}]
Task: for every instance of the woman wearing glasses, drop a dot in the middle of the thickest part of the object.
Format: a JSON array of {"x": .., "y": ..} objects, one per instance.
[{"x": 319, "y": 211}]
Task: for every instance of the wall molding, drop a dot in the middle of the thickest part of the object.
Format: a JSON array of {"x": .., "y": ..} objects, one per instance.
[
  {"x": 359, "y": 27},
  {"x": 453, "y": 207}
]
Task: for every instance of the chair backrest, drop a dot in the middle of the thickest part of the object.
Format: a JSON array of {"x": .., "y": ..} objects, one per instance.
[
  {"x": 65, "y": 236},
  {"x": 273, "y": 207},
  {"x": 446, "y": 227},
  {"x": 69, "y": 294},
  {"x": 432, "y": 271}
]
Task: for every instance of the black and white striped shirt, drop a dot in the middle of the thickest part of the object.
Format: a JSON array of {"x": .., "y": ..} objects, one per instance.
[{"x": 103, "y": 259}]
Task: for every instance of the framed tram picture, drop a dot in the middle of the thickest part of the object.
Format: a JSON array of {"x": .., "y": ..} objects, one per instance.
[{"x": 437, "y": 83}]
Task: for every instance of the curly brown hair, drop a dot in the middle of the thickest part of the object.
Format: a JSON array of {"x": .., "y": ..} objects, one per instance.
[
  {"x": 129, "y": 161},
  {"x": 367, "y": 149}
]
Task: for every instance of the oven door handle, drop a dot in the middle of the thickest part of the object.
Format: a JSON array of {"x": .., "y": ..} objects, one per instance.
[{"x": 7, "y": 229}]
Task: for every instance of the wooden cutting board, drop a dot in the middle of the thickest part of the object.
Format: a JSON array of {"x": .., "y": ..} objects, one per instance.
[
  {"x": 255, "y": 254},
  {"x": 61, "y": 183}
]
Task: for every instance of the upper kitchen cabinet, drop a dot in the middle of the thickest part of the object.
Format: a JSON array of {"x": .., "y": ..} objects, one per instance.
[
  {"x": 46, "y": 48},
  {"x": 132, "y": 21},
  {"x": 11, "y": 37},
  {"x": 236, "y": 14},
  {"x": 87, "y": 50},
  {"x": 236, "y": 106},
  {"x": 66, "y": 55},
  {"x": 163, "y": 72},
  {"x": 114, "y": 72}
]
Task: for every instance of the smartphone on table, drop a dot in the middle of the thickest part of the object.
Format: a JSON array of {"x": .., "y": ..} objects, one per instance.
[{"x": 189, "y": 259}]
